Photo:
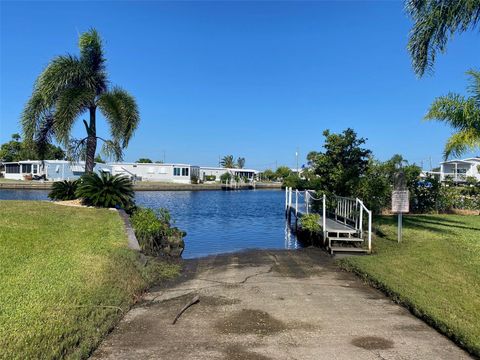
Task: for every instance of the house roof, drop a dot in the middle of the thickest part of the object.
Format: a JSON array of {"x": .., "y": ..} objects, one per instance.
[{"x": 462, "y": 161}]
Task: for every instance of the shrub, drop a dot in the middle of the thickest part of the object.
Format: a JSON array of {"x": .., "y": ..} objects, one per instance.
[
  {"x": 155, "y": 234},
  {"x": 224, "y": 178},
  {"x": 311, "y": 223},
  {"x": 105, "y": 190},
  {"x": 210, "y": 178},
  {"x": 63, "y": 190},
  {"x": 425, "y": 194}
]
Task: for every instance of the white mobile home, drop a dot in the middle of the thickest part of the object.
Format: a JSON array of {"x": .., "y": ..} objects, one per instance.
[
  {"x": 175, "y": 173},
  {"x": 459, "y": 170},
  {"x": 51, "y": 170},
  {"x": 206, "y": 171}
]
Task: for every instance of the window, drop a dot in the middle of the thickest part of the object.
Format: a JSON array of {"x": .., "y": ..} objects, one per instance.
[
  {"x": 35, "y": 169},
  {"x": 12, "y": 168},
  {"x": 184, "y": 171},
  {"x": 176, "y": 171},
  {"x": 27, "y": 168}
]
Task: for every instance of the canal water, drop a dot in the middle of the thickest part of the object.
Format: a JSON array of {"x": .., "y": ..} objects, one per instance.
[{"x": 215, "y": 221}]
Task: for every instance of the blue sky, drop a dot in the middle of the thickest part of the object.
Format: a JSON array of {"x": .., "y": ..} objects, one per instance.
[{"x": 252, "y": 79}]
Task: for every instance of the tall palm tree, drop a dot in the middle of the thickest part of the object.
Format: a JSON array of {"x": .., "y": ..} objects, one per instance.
[
  {"x": 463, "y": 114},
  {"x": 227, "y": 162},
  {"x": 241, "y": 162},
  {"x": 71, "y": 86},
  {"x": 435, "y": 22}
]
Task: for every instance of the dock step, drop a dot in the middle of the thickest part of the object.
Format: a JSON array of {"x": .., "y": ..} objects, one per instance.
[
  {"x": 345, "y": 239},
  {"x": 345, "y": 249}
]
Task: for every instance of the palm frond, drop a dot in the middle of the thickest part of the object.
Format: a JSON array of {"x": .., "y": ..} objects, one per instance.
[
  {"x": 91, "y": 56},
  {"x": 71, "y": 103},
  {"x": 35, "y": 109},
  {"x": 44, "y": 135},
  {"x": 474, "y": 87},
  {"x": 76, "y": 149},
  {"x": 435, "y": 21},
  {"x": 454, "y": 109},
  {"x": 112, "y": 150},
  {"x": 462, "y": 141},
  {"x": 121, "y": 111},
  {"x": 63, "y": 72}
]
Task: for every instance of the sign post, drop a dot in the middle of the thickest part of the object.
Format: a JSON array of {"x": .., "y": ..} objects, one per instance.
[{"x": 400, "y": 200}]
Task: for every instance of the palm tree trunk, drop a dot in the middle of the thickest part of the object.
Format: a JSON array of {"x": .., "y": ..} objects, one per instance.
[{"x": 91, "y": 142}]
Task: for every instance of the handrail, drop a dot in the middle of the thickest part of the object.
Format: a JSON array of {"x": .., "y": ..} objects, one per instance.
[
  {"x": 350, "y": 210},
  {"x": 369, "y": 212}
]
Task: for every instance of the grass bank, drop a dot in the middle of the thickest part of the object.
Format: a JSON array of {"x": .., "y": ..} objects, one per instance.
[
  {"x": 66, "y": 278},
  {"x": 435, "y": 271}
]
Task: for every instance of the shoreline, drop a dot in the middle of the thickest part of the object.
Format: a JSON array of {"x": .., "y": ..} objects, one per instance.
[{"x": 145, "y": 186}]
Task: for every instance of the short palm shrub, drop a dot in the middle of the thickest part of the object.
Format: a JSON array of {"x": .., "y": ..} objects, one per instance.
[
  {"x": 155, "y": 234},
  {"x": 106, "y": 190},
  {"x": 64, "y": 190}
]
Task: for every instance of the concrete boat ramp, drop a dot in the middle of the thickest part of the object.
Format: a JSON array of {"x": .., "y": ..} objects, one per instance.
[{"x": 272, "y": 305}]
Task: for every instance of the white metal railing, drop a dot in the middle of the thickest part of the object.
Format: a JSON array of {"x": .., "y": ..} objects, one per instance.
[
  {"x": 350, "y": 211},
  {"x": 346, "y": 209},
  {"x": 359, "y": 226}
]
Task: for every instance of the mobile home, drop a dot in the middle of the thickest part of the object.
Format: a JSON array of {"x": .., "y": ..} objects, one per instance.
[{"x": 175, "y": 173}]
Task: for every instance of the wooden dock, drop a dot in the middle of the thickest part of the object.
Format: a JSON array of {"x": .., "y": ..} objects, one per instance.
[{"x": 342, "y": 229}]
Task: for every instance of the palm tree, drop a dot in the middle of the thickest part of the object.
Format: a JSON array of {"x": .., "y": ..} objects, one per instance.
[
  {"x": 241, "y": 162},
  {"x": 435, "y": 22},
  {"x": 463, "y": 114},
  {"x": 71, "y": 86},
  {"x": 227, "y": 161}
]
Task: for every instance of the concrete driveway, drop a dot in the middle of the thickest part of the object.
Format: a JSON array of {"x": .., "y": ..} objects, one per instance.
[{"x": 272, "y": 305}]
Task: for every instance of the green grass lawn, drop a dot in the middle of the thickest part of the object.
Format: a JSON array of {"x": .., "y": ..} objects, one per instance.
[
  {"x": 435, "y": 271},
  {"x": 66, "y": 278}
]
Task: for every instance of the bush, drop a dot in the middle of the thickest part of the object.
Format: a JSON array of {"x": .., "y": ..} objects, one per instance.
[
  {"x": 210, "y": 178},
  {"x": 106, "y": 190},
  {"x": 155, "y": 234},
  {"x": 224, "y": 178},
  {"x": 425, "y": 195},
  {"x": 311, "y": 223},
  {"x": 63, "y": 190}
]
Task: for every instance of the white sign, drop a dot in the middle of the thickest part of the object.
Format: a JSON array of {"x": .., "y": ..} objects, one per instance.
[{"x": 400, "y": 201}]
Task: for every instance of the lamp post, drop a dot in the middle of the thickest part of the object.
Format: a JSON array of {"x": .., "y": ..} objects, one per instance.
[{"x": 296, "y": 156}]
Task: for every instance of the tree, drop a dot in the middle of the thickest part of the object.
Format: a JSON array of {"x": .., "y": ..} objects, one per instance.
[
  {"x": 241, "y": 162},
  {"x": 144, "y": 161},
  {"x": 339, "y": 168},
  {"x": 283, "y": 172},
  {"x": 227, "y": 162},
  {"x": 435, "y": 22},
  {"x": 268, "y": 175},
  {"x": 99, "y": 160},
  {"x": 71, "y": 86},
  {"x": 463, "y": 114},
  {"x": 16, "y": 150}
]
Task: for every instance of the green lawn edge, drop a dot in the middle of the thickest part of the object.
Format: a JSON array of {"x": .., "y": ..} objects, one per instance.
[{"x": 47, "y": 309}]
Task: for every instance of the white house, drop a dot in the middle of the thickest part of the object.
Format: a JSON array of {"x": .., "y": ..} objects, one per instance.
[
  {"x": 175, "y": 173},
  {"x": 219, "y": 171},
  {"x": 52, "y": 170},
  {"x": 459, "y": 170}
]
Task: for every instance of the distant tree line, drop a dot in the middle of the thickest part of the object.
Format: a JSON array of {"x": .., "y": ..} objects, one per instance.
[
  {"x": 346, "y": 168},
  {"x": 17, "y": 150}
]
